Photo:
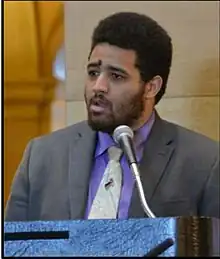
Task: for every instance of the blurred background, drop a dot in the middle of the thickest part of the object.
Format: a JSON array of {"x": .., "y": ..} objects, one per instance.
[
  {"x": 46, "y": 44},
  {"x": 34, "y": 76}
]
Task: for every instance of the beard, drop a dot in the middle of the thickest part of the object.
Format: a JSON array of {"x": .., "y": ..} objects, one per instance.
[{"x": 127, "y": 112}]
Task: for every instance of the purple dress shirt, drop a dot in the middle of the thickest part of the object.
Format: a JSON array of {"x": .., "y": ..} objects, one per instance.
[{"x": 101, "y": 161}]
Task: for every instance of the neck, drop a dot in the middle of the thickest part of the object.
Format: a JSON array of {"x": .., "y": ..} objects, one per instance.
[{"x": 142, "y": 120}]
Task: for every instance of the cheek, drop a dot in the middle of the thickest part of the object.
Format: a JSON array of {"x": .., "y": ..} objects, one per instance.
[
  {"x": 87, "y": 97},
  {"x": 119, "y": 103},
  {"x": 125, "y": 102},
  {"x": 87, "y": 91}
]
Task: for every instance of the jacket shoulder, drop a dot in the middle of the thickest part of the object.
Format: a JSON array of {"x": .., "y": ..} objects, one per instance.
[
  {"x": 195, "y": 143},
  {"x": 62, "y": 136}
]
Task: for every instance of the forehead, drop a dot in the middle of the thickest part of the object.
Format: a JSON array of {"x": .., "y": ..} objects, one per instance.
[{"x": 112, "y": 55}]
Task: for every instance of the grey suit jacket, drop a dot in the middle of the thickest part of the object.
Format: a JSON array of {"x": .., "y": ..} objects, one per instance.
[{"x": 179, "y": 172}]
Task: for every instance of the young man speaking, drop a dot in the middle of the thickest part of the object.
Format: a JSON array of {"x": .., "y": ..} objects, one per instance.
[{"x": 80, "y": 173}]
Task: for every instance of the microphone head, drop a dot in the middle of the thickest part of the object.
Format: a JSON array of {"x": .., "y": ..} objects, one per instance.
[{"x": 121, "y": 131}]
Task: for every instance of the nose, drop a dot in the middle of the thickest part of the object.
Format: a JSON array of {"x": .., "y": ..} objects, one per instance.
[{"x": 101, "y": 84}]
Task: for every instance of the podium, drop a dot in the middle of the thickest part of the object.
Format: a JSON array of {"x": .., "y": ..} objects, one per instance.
[{"x": 174, "y": 236}]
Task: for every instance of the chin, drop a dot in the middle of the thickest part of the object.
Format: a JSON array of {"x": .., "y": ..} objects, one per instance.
[
  {"x": 101, "y": 125},
  {"x": 107, "y": 123}
]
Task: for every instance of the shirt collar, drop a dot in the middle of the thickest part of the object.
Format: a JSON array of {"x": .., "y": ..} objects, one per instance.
[{"x": 140, "y": 136}]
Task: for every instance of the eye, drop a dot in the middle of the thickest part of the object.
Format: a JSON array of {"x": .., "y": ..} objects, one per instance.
[
  {"x": 93, "y": 73},
  {"x": 117, "y": 77}
]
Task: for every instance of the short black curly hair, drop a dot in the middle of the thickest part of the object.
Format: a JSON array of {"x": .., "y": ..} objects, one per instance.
[{"x": 138, "y": 32}]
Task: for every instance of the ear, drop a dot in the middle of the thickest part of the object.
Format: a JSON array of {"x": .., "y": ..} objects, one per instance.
[{"x": 153, "y": 87}]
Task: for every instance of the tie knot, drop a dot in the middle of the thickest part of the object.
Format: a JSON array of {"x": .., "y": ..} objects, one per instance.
[{"x": 114, "y": 153}]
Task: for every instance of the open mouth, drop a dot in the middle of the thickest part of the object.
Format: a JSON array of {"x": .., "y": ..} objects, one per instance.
[{"x": 98, "y": 106}]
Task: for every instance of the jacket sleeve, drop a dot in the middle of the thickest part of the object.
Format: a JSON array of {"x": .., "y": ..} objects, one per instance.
[
  {"x": 210, "y": 203},
  {"x": 17, "y": 204}
]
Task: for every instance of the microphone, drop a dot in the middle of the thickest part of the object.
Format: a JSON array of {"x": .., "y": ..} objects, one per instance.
[{"x": 123, "y": 135}]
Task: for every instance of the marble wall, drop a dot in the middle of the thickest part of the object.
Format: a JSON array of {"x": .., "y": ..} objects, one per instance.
[{"x": 192, "y": 98}]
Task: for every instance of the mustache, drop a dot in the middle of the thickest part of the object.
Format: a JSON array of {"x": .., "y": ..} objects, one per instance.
[{"x": 99, "y": 99}]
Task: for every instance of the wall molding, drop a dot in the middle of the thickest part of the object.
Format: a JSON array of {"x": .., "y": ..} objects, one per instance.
[{"x": 35, "y": 92}]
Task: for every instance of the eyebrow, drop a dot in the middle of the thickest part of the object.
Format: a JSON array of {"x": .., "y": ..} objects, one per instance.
[
  {"x": 108, "y": 67},
  {"x": 93, "y": 65}
]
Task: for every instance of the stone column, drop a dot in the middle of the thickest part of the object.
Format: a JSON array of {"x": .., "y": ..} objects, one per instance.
[
  {"x": 26, "y": 115},
  {"x": 192, "y": 97}
]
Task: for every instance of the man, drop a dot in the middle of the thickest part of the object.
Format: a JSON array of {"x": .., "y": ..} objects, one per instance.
[{"x": 61, "y": 175}]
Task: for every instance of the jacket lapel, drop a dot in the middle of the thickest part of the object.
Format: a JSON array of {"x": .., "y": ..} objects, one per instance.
[
  {"x": 80, "y": 165},
  {"x": 157, "y": 153}
]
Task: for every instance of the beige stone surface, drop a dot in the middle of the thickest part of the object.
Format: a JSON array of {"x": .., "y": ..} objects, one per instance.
[
  {"x": 75, "y": 83},
  {"x": 200, "y": 114},
  {"x": 75, "y": 112}
]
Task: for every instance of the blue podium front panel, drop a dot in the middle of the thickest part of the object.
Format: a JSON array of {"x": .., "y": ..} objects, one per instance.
[{"x": 133, "y": 237}]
